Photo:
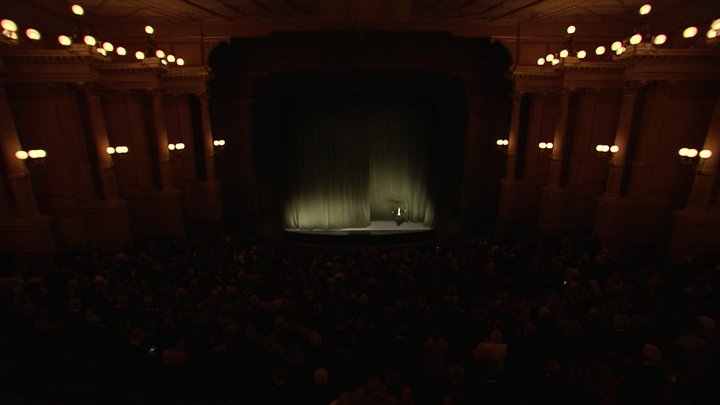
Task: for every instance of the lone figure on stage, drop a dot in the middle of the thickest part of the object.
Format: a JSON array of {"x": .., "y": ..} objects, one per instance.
[{"x": 399, "y": 215}]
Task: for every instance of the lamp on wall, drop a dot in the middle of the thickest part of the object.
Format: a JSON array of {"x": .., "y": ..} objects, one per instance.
[
  {"x": 219, "y": 144},
  {"x": 502, "y": 144},
  {"x": 33, "y": 157},
  {"x": 691, "y": 156},
  {"x": 545, "y": 147},
  {"x": 176, "y": 147},
  {"x": 117, "y": 152},
  {"x": 604, "y": 151}
]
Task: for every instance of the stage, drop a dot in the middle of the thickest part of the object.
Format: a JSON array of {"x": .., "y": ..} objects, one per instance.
[{"x": 379, "y": 232}]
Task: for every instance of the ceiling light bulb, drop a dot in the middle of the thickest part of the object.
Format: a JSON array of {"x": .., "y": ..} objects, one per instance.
[
  {"x": 581, "y": 54},
  {"x": 170, "y": 58},
  {"x": 690, "y": 32},
  {"x": 108, "y": 46},
  {"x": 149, "y": 29},
  {"x": 600, "y": 50},
  {"x": 164, "y": 62},
  {"x": 635, "y": 39},
  {"x": 21, "y": 154},
  {"x": 711, "y": 34},
  {"x": 620, "y": 51},
  {"x": 564, "y": 53},
  {"x": 102, "y": 52},
  {"x": 33, "y": 34},
  {"x": 64, "y": 40},
  {"x": 89, "y": 40},
  {"x": 555, "y": 61},
  {"x": 705, "y": 153},
  {"x": 570, "y": 29},
  {"x": 541, "y": 61},
  {"x": 160, "y": 54},
  {"x": 660, "y": 39},
  {"x": 139, "y": 55},
  {"x": 180, "y": 61},
  {"x": 8, "y": 25},
  {"x": 614, "y": 149},
  {"x": 645, "y": 9},
  {"x": 549, "y": 57},
  {"x": 616, "y": 45},
  {"x": 77, "y": 9},
  {"x": 121, "y": 51}
]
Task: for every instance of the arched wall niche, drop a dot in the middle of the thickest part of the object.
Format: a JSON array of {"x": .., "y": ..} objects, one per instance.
[{"x": 253, "y": 77}]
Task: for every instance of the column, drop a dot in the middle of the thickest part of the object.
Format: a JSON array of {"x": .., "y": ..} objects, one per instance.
[
  {"x": 160, "y": 138},
  {"x": 26, "y": 229},
  {"x": 564, "y": 131},
  {"x": 630, "y": 105},
  {"x": 697, "y": 227},
  {"x": 514, "y": 135}
]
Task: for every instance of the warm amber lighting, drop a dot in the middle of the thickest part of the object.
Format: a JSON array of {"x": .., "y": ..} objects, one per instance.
[
  {"x": 160, "y": 54},
  {"x": 110, "y": 150},
  {"x": 37, "y": 153},
  {"x": 564, "y": 53},
  {"x": 122, "y": 149},
  {"x": 705, "y": 153},
  {"x": 555, "y": 61},
  {"x": 180, "y": 146},
  {"x": 121, "y": 51},
  {"x": 170, "y": 58},
  {"x": 64, "y": 40},
  {"x": 139, "y": 55},
  {"x": 600, "y": 50},
  {"x": 89, "y": 40},
  {"x": 541, "y": 61},
  {"x": 221, "y": 142},
  {"x": 683, "y": 152},
  {"x": 635, "y": 39},
  {"x": 616, "y": 45},
  {"x": 102, "y": 52},
  {"x": 600, "y": 148},
  {"x": 645, "y": 9},
  {"x": 499, "y": 142},
  {"x": 21, "y": 154},
  {"x": 550, "y": 57},
  {"x": 171, "y": 146},
  {"x": 660, "y": 39},
  {"x": 32, "y": 33},
  {"x": 711, "y": 34},
  {"x": 614, "y": 149},
  {"x": 690, "y": 32},
  {"x": 108, "y": 47},
  {"x": 149, "y": 29},
  {"x": 570, "y": 29},
  {"x": 715, "y": 25},
  {"x": 164, "y": 62},
  {"x": 180, "y": 61},
  {"x": 620, "y": 51},
  {"x": 77, "y": 9},
  {"x": 545, "y": 145},
  {"x": 581, "y": 54},
  {"x": 691, "y": 153},
  {"x": 8, "y": 25}
]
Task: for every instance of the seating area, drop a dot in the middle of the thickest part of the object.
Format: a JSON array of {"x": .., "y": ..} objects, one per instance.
[{"x": 470, "y": 321}]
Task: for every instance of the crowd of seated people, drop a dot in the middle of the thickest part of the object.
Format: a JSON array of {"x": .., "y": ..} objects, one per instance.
[{"x": 228, "y": 321}]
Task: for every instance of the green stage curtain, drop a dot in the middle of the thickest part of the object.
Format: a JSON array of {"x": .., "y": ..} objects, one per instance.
[{"x": 350, "y": 161}]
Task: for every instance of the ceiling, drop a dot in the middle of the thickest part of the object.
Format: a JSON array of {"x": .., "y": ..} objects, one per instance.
[{"x": 496, "y": 11}]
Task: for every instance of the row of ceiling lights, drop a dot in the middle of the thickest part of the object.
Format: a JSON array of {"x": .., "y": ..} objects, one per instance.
[
  {"x": 10, "y": 33},
  {"x": 619, "y": 47}
]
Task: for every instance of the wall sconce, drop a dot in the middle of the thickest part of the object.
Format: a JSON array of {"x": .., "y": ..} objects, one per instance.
[
  {"x": 117, "y": 152},
  {"x": 219, "y": 144},
  {"x": 36, "y": 156},
  {"x": 606, "y": 150},
  {"x": 545, "y": 147},
  {"x": 502, "y": 144},
  {"x": 176, "y": 147},
  {"x": 691, "y": 156}
]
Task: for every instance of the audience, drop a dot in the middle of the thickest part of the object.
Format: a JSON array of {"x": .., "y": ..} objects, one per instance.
[{"x": 467, "y": 322}]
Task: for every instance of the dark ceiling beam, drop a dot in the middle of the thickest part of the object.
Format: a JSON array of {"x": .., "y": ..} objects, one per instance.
[{"x": 207, "y": 10}]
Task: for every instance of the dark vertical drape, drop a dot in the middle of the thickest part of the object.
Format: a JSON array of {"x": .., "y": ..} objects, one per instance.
[{"x": 352, "y": 160}]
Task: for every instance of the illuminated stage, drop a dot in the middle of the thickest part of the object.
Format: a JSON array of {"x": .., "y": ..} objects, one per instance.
[{"x": 379, "y": 232}]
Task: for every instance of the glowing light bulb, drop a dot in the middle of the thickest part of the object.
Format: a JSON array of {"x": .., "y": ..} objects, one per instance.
[
  {"x": 564, "y": 53},
  {"x": 683, "y": 152},
  {"x": 555, "y": 61},
  {"x": 541, "y": 61},
  {"x": 614, "y": 149},
  {"x": 581, "y": 54},
  {"x": 139, "y": 55},
  {"x": 615, "y": 46},
  {"x": 89, "y": 40},
  {"x": 660, "y": 39},
  {"x": 77, "y": 9},
  {"x": 33, "y": 34},
  {"x": 8, "y": 25},
  {"x": 600, "y": 50},
  {"x": 171, "y": 146},
  {"x": 705, "y": 153},
  {"x": 570, "y": 29},
  {"x": 121, "y": 51},
  {"x": 690, "y": 32},
  {"x": 542, "y": 145},
  {"x": 160, "y": 54},
  {"x": 645, "y": 9},
  {"x": 599, "y": 148},
  {"x": 549, "y": 145},
  {"x": 21, "y": 155},
  {"x": 149, "y": 29},
  {"x": 170, "y": 58},
  {"x": 64, "y": 40},
  {"x": 108, "y": 46},
  {"x": 549, "y": 57},
  {"x": 635, "y": 39},
  {"x": 711, "y": 34},
  {"x": 110, "y": 150},
  {"x": 180, "y": 61},
  {"x": 691, "y": 153},
  {"x": 715, "y": 25},
  {"x": 180, "y": 146},
  {"x": 122, "y": 149},
  {"x": 102, "y": 52}
]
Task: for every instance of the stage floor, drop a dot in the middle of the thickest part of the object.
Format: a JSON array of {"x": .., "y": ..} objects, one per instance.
[{"x": 375, "y": 228}]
